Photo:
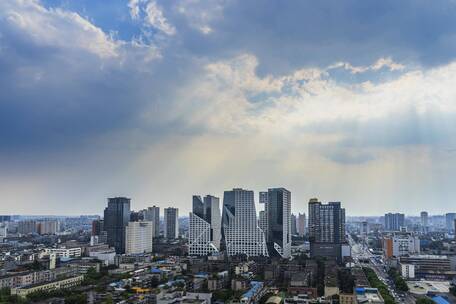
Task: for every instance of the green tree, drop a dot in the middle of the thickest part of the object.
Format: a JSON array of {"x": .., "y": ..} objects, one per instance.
[
  {"x": 76, "y": 298},
  {"x": 424, "y": 301}
]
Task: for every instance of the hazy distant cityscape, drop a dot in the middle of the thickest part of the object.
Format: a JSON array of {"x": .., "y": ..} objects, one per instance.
[{"x": 226, "y": 251}]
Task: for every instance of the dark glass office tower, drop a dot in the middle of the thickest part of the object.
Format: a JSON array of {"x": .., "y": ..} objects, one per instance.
[
  {"x": 278, "y": 212},
  {"x": 116, "y": 218}
]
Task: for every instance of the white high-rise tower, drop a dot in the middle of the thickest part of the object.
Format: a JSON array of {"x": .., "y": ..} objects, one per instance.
[
  {"x": 241, "y": 232},
  {"x": 204, "y": 229}
]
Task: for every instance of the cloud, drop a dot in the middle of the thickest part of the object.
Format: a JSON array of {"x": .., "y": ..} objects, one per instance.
[
  {"x": 55, "y": 28},
  {"x": 151, "y": 15},
  {"x": 170, "y": 98}
]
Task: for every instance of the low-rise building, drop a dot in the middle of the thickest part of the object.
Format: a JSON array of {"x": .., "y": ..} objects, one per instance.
[
  {"x": 400, "y": 244},
  {"x": 49, "y": 286},
  {"x": 74, "y": 252},
  {"x": 433, "y": 267},
  {"x": 368, "y": 295}
]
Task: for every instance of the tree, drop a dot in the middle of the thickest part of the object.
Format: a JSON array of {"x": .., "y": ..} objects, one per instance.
[
  {"x": 424, "y": 301},
  {"x": 76, "y": 298}
]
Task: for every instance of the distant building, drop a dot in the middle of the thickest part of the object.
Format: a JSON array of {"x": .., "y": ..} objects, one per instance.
[
  {"x": 432, "y": 267},
  {"x": 301, "y": 223},
  {"x": 116, "y": 218},
  {"x": 240, "y": 230},
  {"x": 97, "y": 227},
  {"x": 48, "y": 286},
  {"x": 73, "y": 252},
  {"x": 449, "y": 218},
  {"x": 279, "y": 222},
  {"x": 400, "y": 244},
  {"x": 171, "y": 223},
  {"x": 263, "y": 218},
  {"x": 424, "y": 219},
  {"x": 5, "y": 218},
  {"x": 152, "y": 214},
  {"x": 294, "y": 225},
  {"x": 48, "y": 227},
  {"x": 263, "y": 222},
  {"x": 136, "y": 216},
  {"x": 27, "y": 227},
  {"x": 138, "y": 237},
  {"x": 394, "y": 221}
]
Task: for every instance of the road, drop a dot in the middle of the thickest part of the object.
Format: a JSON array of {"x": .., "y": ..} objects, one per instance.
[{"x": 360, "y": 252}]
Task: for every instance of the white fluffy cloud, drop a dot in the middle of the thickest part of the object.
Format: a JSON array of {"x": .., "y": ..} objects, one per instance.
[
  {"x": 56, "y": 28},
  {"x": 151, "y": 14}
]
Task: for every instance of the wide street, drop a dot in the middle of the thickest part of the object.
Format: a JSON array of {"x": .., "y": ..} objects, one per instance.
[{"x": 363, "y": 257}]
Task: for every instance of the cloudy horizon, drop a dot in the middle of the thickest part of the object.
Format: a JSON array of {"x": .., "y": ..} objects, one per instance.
[{"x": 161, "y": 100}]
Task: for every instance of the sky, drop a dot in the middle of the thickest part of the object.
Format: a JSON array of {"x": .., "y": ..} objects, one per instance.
[{"x": 351, "y": 101}]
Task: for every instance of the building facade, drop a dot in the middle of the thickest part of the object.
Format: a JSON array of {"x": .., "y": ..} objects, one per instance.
[
  {"x": 449, "y": 219},
  {"x": 152, "y": 214},
  {"x": 279, "y": 222},
  {"x": 171, "y": 223},
  {"x": 326, "y": 222},
  {"x": 424, "y": 219},
  {"x": 139, "y": 237},
  {"x": 394, "y": 221},
  {"x": 301, "y": 223},
  {"x": 400, "y": 244},
  {"x": 327, "y": 230},
  {"x": 116, "y": 218},
  {"x": 240, "y": 230},
  {"x": 205, "y": 226}
]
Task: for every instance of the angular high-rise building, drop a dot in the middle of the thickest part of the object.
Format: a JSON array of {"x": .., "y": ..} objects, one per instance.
[
  {"x": 152, "y": 214},
  {"x": 171, "y": 223},
  {"x": 138, "y": 237},
  {"x": 205, "y": 226},
  {"x": 326, "y": 222},
  {"x": 279, "y": 222},
  {"x": 240, "y": 231},
  {"x": 116, "y": 218},
  {"x": 394, "y": 221},
  {"x": 301, "y": 223}
]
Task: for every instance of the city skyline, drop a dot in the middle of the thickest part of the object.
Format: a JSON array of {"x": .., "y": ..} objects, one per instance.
[{"x": 158, "y": 100}]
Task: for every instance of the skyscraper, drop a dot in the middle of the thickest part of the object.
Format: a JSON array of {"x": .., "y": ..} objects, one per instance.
[
  {"x": 138, "y": 237},
  {"x": 263, "y": 218},
  {"x": 394, "y": 221},
  {"x": 240, "y": 230},
  {"x": 326, "y": 222},
  {"x": 424, "y": 219},
  {"x": 152, "y": 214},
  {"x": 278, "y": 213},
  {"x": 301, "y": 224},
  {"x": 205, "y": 226},
  {"x": 449, "y": 218},
  {"x": 116, "y": 218},
  {"x": 327, "y": 230},
  {"x": 294, "y": 225},
  {"x": 97, "y": 227},
  {"x": 171, "y": 223}
]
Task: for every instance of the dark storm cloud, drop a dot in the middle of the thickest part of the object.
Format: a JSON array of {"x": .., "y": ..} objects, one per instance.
[{"x": 286, "y": 34}]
